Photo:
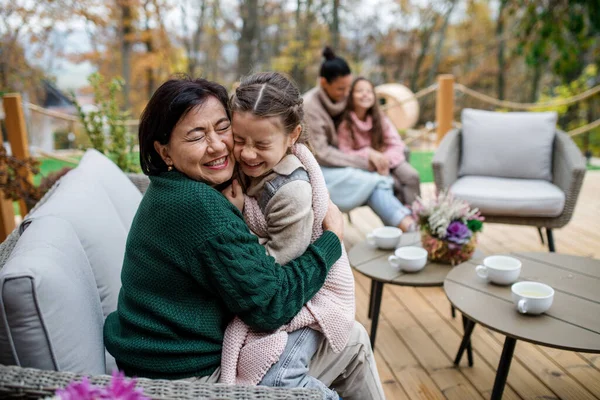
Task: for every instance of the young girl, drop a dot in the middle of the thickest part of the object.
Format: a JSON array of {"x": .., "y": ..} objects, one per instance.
[
  {"x": 285, "y": 201},
  {"x": 365, "y": 131}
]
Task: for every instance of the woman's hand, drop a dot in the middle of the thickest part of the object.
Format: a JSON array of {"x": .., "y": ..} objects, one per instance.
[
  {"x": 234, "y": 194},
  {"x": 380, "y": 162},
  {"x": 334, "y": 221}
]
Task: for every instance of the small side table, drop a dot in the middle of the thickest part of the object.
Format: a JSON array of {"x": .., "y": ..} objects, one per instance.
[
  {"x": 571, "y": 323},
  {"x": 373, "y": 263}
]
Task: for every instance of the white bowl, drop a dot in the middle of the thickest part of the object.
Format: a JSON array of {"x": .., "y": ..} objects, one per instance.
[
  {"x": 532, "y": 297},
  {"x": 386, "y": 237},
  {"x": 409, "y": 259}
]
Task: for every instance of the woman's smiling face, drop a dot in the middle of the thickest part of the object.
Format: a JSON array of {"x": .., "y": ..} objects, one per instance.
[{"x": 201, "y": 144}]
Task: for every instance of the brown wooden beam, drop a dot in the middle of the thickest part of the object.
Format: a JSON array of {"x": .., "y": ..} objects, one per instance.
[
  {"x": 444, "y": 107},
  {"x": 16, "y": 130}
]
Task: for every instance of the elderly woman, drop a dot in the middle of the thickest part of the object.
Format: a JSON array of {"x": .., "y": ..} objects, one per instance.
[{"x": 191, "y": 263}]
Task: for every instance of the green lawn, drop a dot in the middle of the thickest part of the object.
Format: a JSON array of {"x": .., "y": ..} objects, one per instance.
[
  {"x": 421, "y": 161},
  {"x": 49, "y": 165}
]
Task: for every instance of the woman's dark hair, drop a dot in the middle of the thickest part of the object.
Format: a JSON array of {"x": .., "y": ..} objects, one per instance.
[
  {"x": 169, "y": 104},
  {"x": 271, "y": 94},
  {"x": 333, "y": 67},
  {"x": 377, "y": 142}
]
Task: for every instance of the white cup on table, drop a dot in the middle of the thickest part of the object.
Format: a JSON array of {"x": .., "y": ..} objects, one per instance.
[
  {"x": 386, "y": 237},
  {"x": 501, "y": 270},
  {"x": 409, "y": 259},
  {"x": 532, "y": 297}
]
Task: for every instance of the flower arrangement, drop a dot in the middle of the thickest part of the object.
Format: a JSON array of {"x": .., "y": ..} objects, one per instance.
[
  {"x": 449, "y": 228},
  {"x": 119, "y": 388}
]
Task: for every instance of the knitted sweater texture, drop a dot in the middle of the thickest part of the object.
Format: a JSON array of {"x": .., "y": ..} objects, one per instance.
[
  {"x": 190, "y": 265},
  {"x": 248, "y": 353}
]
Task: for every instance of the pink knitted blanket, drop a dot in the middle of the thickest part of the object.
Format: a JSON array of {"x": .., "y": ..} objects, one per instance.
[{"x": 247, "y": 354}]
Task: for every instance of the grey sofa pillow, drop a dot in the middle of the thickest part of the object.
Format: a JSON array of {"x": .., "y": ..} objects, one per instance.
[
  {"x": 123, "y": 194},
  {"x": 83, "y": 202},
  {"x": 507, "y": 145},
  {"x": 50, "y": 312}
]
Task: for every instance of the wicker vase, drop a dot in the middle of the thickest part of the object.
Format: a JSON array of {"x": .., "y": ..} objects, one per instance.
[{"x": 440, "y": 252}]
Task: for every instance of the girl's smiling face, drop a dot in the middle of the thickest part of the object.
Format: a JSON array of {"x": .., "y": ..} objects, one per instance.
[
  {"x": 363, "y": 95},
  {"x": 260, "y": 143}
]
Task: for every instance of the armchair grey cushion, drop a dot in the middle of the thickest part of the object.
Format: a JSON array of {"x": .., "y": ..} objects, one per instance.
[
  {"x": 508, "y": 145},
  {"x": 506, "y": 196},
  {"x": 568, "y": 171},
  {"x": 50, "y": 311}
]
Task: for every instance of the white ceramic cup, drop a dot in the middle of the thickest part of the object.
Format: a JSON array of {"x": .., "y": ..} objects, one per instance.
[
  {"x": 409, "y": 259},
  {"x": 532, "y": 297},
  {"x": 386, "y": 237},
  {"x": 501, "y": 270}
]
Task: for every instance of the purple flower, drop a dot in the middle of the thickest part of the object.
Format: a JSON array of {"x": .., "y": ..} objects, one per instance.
[
  {"x": 119, "y": 388},
  {"x": 458, "y": 233},
  {"x": 79, "y": 391}
]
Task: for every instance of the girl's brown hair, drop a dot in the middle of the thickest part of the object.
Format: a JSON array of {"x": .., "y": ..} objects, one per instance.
[
  {"x": 377, "y": 142},
  {"x": 271, "y": 94}
]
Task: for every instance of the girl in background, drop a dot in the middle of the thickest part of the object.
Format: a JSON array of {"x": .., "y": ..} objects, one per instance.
[{"x": 366, "y": 132}]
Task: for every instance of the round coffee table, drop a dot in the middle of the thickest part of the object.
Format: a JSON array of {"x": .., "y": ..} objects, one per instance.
[
  {"x": 373, "y": 263},
  {"x": 572, "y": 322}
]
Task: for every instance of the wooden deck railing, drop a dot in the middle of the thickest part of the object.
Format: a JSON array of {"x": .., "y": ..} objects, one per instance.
[{"x": 445, "y": 89}]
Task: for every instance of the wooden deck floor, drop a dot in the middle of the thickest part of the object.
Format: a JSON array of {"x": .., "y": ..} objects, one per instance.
[{"x": 417, "y": 339}]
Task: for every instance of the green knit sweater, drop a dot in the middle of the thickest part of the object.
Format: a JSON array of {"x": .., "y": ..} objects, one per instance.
[{"x": 190, "y": 265}]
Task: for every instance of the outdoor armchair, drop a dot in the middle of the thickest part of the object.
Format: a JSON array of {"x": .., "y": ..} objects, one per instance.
[{"x": 517, "y": 168}]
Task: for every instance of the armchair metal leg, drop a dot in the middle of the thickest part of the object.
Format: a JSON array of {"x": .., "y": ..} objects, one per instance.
[
  {"x": 541, "y": 235},
  {"x": 550, "y": 240}
]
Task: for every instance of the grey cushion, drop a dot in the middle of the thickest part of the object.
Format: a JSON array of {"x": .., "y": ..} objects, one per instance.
[
  {"x": 514, "y": 197},
  {"x": 84, "y": 203},
  {"x": 509, "y": 145},
  {"x": 50, "y": 312},
  {"x": 121, "y": 191}
]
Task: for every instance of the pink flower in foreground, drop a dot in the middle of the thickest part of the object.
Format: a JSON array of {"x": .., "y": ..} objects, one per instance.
[
  {"x": 119, "y": 388},
  {"x": 79, "y": 391}
]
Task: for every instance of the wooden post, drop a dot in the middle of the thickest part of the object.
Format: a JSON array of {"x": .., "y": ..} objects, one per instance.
[
  {"x": 7, "y": 217},
  {"x": 444, "y": 106},
  {"x": 17, "y": 134}
]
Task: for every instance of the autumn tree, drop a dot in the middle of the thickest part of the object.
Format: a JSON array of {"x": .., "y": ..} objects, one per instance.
[
  {"x": 26, "y": 35},
  {"x": 248, "y": 39}
]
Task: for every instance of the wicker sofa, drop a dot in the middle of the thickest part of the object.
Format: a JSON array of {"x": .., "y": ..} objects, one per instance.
[
  {"x": 59, "y": 279},
  {"x": 517, "y": 168}
]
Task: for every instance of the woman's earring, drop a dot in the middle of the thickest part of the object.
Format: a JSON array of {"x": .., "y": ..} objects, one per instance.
[{"x": 169, "y": 168}]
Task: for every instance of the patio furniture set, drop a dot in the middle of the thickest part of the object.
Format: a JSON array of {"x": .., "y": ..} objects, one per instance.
[
  {"x": 60, "y": 269},
  {"x": 517, "y": 170}
]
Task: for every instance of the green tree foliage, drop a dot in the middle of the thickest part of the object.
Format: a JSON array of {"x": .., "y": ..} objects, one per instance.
[
  {"x": 579, "y": 114},
  {"x": 559, "y": 32},
  {"x": 106, "y": 126}
]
